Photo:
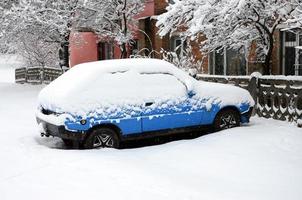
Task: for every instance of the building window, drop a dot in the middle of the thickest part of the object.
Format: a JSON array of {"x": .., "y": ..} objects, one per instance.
[
  {"x": 105, "y": 51},
  {"x": 178, "y": 46},
  {"x": 227, "y": 62},
  {"x": 291, "y": 53}
]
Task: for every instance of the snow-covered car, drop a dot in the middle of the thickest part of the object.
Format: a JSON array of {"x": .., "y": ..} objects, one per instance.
[{"x": 100, "y": 104}]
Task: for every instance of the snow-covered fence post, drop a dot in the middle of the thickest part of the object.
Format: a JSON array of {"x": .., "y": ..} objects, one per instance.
[
  {"x": 253, "y": 87},
  {"x": 51, "y": 73},
  {"x": 33, "y": 75},
  {"x": 41, "y": 75},
  {"x": 20, "y": 75}
]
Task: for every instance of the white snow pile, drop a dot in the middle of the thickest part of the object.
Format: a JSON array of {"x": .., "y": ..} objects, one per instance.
[{"x": 114, "y": 85}]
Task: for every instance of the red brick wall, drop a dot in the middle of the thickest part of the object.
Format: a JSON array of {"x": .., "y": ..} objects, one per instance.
[
  {"x": 275, "y": 62},
  {"x": 83, "y": 48},
  {"x": 160, "y": 6}
]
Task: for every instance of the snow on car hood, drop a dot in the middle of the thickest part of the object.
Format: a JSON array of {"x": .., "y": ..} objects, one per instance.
[
  {"x": 222, "y": 94},
  {"x": 114, "y": 86}
]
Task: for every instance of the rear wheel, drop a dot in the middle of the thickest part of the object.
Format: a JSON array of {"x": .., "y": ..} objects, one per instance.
[
  {"x": 102, "y": 138},
  {"x": 225, "y": 119}
]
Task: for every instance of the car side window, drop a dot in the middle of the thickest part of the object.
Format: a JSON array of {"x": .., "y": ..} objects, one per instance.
[
  {"x": 133, "y": 87},
  {"x": 162, "y": 86}
]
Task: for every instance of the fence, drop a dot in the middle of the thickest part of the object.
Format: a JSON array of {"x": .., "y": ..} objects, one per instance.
[
  {"x": 276, "y": 97},
  {"x": 37, "y": 75}
]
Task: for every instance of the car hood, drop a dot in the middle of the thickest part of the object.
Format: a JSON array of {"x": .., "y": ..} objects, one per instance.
[{"x": 223, "y": 94}]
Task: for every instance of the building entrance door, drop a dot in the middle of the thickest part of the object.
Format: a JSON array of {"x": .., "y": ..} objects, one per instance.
[{"x": 292, "y": 53}]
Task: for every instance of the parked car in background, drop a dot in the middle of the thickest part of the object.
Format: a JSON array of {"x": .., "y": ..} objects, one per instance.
[{"x": 100, "y": 104}]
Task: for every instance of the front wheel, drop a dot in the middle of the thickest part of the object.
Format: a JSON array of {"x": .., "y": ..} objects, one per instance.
[
  {"x": 225, "y": 119},
  {"x": 102, "y": 138}
]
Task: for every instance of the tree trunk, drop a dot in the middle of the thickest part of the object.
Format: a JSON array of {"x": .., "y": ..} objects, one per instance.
[
  {"x": 64, "y": 52},
  {"x": 123, "y": 50},
  {"x": 64, "y": 55},
  {"x": 267, "y": 64}
]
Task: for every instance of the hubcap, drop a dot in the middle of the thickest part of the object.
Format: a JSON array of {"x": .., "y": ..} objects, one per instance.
[
  {"x": 103, "y": 140},
  {"x": 227, "y": 121}
]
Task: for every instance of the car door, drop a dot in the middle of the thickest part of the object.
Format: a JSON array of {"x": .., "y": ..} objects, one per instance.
[
  {"x": 169, "y": 106},
  {"x": 121, "y": 104}
]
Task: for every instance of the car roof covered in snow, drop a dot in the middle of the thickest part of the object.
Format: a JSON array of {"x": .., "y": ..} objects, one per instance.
[
  {"x": 119, "y": 83},
  {"x": 140, "y": 65},
  {"x": 91, "y": 85}
]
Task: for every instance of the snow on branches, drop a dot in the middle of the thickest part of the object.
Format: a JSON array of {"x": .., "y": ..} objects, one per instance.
[
  {"x": 113, "y": 19},
  {"x": 229, "y": 23},
  {"x": 51, "y": 22}
]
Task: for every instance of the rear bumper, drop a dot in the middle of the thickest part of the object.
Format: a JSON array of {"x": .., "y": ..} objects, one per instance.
[
  {"x": 59, "y": 131},
  {"x": 245, "y": 117}
]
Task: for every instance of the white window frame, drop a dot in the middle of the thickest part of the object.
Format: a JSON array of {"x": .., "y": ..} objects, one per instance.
[
  {"x": 174, "y": 45},
  {"x": 291, "y": 44},
  {"x": 212, "y": 59}
]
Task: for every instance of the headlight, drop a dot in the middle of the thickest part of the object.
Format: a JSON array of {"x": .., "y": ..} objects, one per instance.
[{"x": 83, "y": 121}]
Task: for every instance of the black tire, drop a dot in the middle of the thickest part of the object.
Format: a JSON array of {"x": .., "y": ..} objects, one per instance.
[
  {"x": 227, "y": 118},
  {"x": 102, "y": 138}
]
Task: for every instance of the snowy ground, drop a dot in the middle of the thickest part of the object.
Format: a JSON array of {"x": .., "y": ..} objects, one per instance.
[
  {"x": 8, "y": 64},
  {"x": 260, "y": 161}
]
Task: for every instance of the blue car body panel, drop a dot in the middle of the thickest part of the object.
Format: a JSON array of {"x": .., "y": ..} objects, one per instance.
[{"x": 188, "y": 113}]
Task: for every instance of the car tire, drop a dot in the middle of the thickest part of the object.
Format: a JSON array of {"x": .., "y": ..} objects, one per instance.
[
  {"x": 227, "y": 118},
  {"x": 102, "y": 138}
]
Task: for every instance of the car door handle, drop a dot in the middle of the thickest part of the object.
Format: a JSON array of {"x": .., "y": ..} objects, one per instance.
[{"x": 148, "y": 104}]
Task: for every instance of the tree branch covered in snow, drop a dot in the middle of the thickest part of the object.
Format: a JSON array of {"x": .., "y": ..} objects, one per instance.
[
  {"x": 229, "y": 23},
  {"x": 113, "y": 20},
  {"x": 52, "y": 21},
  {"x": 49, "y": 21}
]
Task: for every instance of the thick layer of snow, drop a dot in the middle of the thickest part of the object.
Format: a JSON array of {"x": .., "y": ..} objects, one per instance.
[
  {"x": 119, "y": 84},
  {"x": 260, "y": 161}
]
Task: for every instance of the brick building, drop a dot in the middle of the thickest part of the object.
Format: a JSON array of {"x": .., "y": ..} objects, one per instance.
[{"x": 287, "y": 59}]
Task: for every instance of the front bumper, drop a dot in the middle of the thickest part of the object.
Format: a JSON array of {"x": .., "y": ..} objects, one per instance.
[{"x": 59, "y": 131}]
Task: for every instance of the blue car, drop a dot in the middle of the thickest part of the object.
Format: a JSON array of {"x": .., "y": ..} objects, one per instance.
[{"x": 100, "y": 104}]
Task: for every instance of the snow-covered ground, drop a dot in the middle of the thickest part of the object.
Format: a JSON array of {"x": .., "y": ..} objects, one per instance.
[
  {"x": 8, "y": 64},
  {"x": 260, "y": 161}
]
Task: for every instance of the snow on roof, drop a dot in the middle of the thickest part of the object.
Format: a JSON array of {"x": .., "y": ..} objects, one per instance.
[
  {"x": 93, "y": 70},
  {"x": 88, "y": 86},
  {"x": 113, "y": 85}
]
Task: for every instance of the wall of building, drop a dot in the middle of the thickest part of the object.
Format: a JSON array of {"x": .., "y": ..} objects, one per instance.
[{"x": 83, "y": 48}]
